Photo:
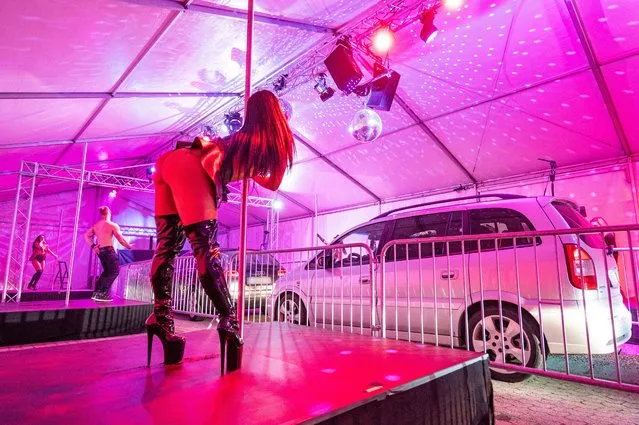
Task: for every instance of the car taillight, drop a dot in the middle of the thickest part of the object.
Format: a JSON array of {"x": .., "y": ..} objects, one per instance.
[
  {"x": 581, "y": 273},
  {"x": 281, "y": 272}
]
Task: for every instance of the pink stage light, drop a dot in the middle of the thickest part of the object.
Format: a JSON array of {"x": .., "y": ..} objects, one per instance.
[
  {"x": 453, "y": 4},
  {"x": 113, "y": 194},
  {"x": 383, "y": 40}
]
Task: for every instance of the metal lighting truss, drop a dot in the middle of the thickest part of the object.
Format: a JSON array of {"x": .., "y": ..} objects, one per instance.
[
  {"x": 398, "y": 14},
  {"x": 21, "y": 223}
]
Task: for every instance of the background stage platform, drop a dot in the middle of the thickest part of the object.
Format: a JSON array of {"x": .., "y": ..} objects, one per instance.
[
  {"x": 291, "y": 375},
  {"x": 52, "y": 295},
  {"x": 46, "y": 321}
]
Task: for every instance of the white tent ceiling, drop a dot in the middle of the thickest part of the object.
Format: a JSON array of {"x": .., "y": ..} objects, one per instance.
[{"x": 505, "y": 82}]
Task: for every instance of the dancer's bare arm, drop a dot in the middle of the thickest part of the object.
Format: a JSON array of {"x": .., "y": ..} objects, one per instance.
[
  {"x": 88, "y": 237},
  {"x": 118, "y": 235},
  {"x": 52, "y": 253}
]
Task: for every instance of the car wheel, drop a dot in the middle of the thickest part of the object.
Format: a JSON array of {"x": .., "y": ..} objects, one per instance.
[
  {"x": 510, "y": 347},
  {"x": 291, "y": 309}
]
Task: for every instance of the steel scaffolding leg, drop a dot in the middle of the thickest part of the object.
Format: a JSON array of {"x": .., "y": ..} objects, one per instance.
[{"x": 19, "y": 238}]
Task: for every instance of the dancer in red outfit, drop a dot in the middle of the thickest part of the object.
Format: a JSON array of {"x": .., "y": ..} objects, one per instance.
[
  {"x": 189, "y": 183},
  {"x": 40, "y": 249}
]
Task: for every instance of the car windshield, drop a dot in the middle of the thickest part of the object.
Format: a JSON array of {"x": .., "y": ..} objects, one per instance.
[{"x": 576, "y": 221}]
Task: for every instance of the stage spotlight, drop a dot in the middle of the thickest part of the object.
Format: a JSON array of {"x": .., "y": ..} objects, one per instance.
[
  {"x": 343, "y": 68},
  {"x": 383, "y": 88},
  {"x": 383, "y": 39},
  {"x": 152, "y": 169},
  {"x": 233, "y": 122},
  {"x": 453, "y": 4},
  {"x": 278, "y": 205},
  {"x": 113, "y": 194},
  {"x": 323, "y": 89},
  {"x": 429, "y": 30}
]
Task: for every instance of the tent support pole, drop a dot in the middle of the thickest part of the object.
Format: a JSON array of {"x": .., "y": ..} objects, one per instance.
[{"x": 245, "y": 182}]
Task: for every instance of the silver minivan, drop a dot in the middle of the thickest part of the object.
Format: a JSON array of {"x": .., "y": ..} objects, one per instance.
[{"x": 433, "y": 291}]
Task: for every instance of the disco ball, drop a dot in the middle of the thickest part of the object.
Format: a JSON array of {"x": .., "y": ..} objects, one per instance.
[
  {"x": 287, "y": 108},
  {"x": 366, "y": 126}
]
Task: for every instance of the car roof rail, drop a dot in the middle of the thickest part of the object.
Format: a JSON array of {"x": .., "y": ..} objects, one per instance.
[{"x": 447, "y": 201}]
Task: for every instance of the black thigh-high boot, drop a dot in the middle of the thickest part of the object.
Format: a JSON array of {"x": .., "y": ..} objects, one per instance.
[
  {"x": 203, "y": 239},
  {"x": 170, "y": 240},
  {"x": 34, "y": 279}
]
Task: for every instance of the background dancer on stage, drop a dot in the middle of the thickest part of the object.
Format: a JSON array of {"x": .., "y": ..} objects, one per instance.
[
  {"x": 40, "y": 249},
  {"x": 104, "y": 231},
  {"x": 189, "y": 182}
]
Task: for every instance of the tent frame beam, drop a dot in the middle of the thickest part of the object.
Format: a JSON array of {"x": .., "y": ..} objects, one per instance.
[{"x": 110, "y": 95}]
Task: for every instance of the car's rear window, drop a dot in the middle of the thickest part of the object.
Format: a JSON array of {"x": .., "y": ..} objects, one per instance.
[{"x": 576, "y": 221}]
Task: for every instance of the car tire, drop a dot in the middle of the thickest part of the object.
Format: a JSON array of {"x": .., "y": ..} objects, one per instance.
[
  {"x": 291, "y": 309},
  {"x": 511, "y": 341}
]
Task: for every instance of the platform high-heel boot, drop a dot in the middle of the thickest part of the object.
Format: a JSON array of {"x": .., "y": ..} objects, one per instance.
[
  {"x": 203, "y": 236},
  {"x": 161, "y": 322}
]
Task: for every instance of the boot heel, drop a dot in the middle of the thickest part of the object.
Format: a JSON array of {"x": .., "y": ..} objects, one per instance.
[
  {"x": 150, "y": 346},
  {"x": 234, "y": 356},
  {"x": 173, "y": 352},
  {"x": 222, "y": 334}
]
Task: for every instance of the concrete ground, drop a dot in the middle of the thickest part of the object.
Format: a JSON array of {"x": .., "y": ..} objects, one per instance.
[{"x": 545, "y": 401}]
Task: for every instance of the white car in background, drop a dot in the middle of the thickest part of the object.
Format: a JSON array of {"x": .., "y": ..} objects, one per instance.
[{"x": 440, "y": 296}]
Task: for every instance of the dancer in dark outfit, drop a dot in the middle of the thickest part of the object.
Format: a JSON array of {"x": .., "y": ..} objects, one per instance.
[{"x": 189, "y": 182}]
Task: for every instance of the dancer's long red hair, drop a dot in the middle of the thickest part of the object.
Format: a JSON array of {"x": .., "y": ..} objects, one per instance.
[{"x": 264, "y": 146}]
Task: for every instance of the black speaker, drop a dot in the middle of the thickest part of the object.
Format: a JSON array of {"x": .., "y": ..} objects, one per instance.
[
  {"x": 343, "y": 68},
  {"x": 383, "y": 92}
]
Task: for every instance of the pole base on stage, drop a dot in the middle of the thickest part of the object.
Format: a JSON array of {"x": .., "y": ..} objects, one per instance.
[{"x": 290, "y": 375}]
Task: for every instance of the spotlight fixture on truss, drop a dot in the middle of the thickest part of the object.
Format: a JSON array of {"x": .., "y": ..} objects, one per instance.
[
  {"x": 233, "y": 122},
  {"x": 322, "y": 88},
  {"x": 429, "y": 30}
]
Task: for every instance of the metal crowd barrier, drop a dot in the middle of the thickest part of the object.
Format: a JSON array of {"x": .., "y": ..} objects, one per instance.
[
  {"x": 549, "y": 303},
  {"x": 328, "y": 287},
  {"x": 546, "y": 302}
]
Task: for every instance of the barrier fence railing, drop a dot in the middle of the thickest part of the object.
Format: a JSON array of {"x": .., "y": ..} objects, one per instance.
[
  {"x": 542, "y": 302},
  {"x": 551, "y": 303}
]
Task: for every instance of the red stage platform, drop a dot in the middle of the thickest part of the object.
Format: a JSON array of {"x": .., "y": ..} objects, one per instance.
[{"x": 290, "y": 375}]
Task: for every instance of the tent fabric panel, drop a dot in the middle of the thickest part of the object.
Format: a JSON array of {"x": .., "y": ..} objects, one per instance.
[
  {"x": 66, "y": 45},
  {"x": 612, "y": 26},
  {"x": 42, "y": 120},
  {"x": 408, "y": 162},
  {"x": 135, "y": 116},
  {"x": 542, "y": 44},
  {"x": 330, "y": 13},
  {"x": 317, "y": 178},
  {"x": 206, "y": 53}
]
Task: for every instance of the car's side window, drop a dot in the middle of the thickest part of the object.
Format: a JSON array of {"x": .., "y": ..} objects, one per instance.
[
  {"x": 418, "y": 227},
  {"x": 370, "y": 235},
  {"x": 497, "y": 221}
]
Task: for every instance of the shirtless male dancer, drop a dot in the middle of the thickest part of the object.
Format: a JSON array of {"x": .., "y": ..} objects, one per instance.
[{"x": 104, "y": 231}]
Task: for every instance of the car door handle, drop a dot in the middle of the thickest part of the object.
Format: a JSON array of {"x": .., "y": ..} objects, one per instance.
[
  {"x": 449, "y": 274},
  {"x": 365, "y": 280}
]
